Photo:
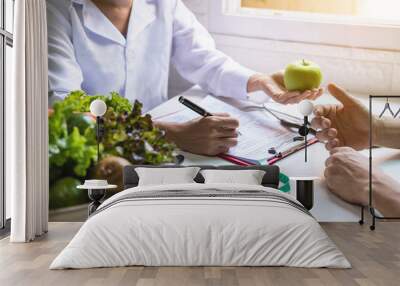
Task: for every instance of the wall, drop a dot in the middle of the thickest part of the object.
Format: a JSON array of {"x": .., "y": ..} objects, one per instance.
[{"x": 359, "y": 70}]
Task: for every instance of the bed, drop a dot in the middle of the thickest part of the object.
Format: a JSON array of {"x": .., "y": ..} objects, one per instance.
[{"x": 201, "y": 224}]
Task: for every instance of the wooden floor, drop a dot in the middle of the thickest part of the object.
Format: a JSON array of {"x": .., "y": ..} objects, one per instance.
[{"x": 375, "y": 257}]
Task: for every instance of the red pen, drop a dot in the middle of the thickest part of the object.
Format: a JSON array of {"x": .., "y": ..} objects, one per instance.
[{"x": 234, "y": 160}]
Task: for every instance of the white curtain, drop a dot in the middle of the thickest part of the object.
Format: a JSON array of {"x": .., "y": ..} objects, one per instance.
[{"x": 26, "y": 124}]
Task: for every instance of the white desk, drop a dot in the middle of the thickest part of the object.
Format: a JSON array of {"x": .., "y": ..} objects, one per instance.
[{"x": 327, "y": 207}]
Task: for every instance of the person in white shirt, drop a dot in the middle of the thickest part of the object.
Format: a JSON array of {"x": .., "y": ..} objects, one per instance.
[
  {"x": 127, "y": 46},
  {"x": 345, "y": 129}
]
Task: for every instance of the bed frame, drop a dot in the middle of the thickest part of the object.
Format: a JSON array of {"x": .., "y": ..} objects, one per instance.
[
  {"x": 271, "y": 177},
  {"x": 304, "y": 193}
]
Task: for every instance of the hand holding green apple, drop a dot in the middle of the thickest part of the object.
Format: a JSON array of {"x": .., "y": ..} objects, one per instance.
[
  {"x": 300, "y": 81},
  {"x": 302, "y": 76}
]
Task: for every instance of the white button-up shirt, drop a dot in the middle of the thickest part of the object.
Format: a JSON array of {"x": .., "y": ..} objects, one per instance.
[{"x": 86, "y": 51}]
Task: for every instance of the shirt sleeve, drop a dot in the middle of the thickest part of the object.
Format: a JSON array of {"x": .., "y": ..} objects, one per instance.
[
  {"x": 65, "y": 74},
  {"x": 197, "y": 60}
]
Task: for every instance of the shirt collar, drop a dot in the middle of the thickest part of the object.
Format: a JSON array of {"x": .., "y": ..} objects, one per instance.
[{"x": 143, "y": 13}]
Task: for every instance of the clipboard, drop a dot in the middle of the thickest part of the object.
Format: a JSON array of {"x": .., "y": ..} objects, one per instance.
[
  {"x": 282, "y": 155},
  {"x": 271, "y": 160},
  {"x": 285, "y": 119},
  {"x": 239, "y": 160}
]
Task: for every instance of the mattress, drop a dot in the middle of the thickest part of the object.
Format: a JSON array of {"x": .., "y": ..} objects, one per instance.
[{"x": 201, "y": 225}]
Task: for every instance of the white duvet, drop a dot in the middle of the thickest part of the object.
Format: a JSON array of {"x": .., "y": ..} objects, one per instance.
[{"x": 204, "y": 231}]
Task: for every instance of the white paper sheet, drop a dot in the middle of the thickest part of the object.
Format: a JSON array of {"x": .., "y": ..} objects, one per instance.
[{"x": 258, "y": 131}]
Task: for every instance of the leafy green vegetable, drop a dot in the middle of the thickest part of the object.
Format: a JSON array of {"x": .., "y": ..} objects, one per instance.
[
  {"x": 71, "y": 147},
  {"x": 128, "y": 134},
  {"x": 134, "y": 138},
  {"x": 64, "y": 193}
]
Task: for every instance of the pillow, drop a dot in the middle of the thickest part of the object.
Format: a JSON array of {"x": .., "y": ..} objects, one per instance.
[
  {"x": 242, "y": 177},
  {"x": 166, "y": 176}
]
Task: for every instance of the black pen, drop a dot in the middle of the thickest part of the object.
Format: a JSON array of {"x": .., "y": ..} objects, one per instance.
[{"x": 193, "y": 106}]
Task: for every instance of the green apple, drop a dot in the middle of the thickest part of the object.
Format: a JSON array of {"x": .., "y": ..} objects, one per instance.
[{"x": 302, "y": 75}]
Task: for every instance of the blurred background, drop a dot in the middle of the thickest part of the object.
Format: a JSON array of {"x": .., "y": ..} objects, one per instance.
[
  {"x": 383, "y": 9},
  {"x": 356, "y": 42}
]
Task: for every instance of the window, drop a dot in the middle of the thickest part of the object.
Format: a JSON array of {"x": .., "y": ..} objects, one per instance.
[
  {"x": 379, "y": 9},
  {"x": 6, "y": 65},
  {"x": 371, "y": 24},
  {"x": 367, "y": 10}
]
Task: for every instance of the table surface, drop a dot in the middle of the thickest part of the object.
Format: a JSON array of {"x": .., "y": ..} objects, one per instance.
[{"x": 327, "y": 207}]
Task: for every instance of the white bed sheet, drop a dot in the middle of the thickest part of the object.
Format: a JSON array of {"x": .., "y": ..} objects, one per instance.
[{"x": 200, "y": 232}]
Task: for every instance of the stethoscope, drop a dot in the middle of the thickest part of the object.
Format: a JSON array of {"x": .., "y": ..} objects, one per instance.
[
  {"x": 285, "y": 119},
  {"x": 305, "y": 108}
]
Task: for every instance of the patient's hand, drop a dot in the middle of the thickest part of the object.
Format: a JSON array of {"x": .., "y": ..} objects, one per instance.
[
  {"x": 347, "y": 176},
  {"x": 210, "y": 135},
  {"x": 274, "y": 87},
  {"x": 345, "y": 124}
]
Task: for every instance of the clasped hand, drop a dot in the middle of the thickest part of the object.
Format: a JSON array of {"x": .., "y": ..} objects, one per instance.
[{"x": 344, "y": 128}]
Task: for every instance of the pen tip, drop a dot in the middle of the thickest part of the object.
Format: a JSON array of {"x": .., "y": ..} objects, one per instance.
[{"x": 181, "y": 99}]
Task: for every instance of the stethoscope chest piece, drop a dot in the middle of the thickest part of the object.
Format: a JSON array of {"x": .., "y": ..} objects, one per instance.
[{"x": 304, "y": 131}]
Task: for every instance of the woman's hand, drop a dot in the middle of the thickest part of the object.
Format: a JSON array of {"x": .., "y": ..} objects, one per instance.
[
  {"x": 344, "y": 124},
  {"x": 210, "y": 135},
  {"x": 274, "y": 87}
]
